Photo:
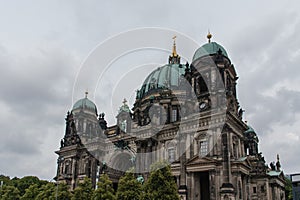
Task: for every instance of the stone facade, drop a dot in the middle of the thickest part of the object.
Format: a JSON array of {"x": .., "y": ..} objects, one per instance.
[{"x": 187, "y": 114}]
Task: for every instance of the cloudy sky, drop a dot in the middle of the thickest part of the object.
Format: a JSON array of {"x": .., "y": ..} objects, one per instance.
[{"x": 44, "y": 44}]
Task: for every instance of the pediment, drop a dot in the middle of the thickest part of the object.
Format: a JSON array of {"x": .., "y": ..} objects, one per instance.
[
  {"x": 244, "y": 160},
  {"x": 200, "y": 160}
]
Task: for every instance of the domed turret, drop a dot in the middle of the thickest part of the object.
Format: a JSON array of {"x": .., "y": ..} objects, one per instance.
[
  {"x": 209, "y": 48},
  {"x": 124, "y": 107},
  {"x": 85, "y": 103},
  {"x": 251, "y": 141}
]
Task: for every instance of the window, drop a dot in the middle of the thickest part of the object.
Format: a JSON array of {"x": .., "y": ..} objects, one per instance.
[
  {"x": 68, "y": 167},
  {"x": 174, "y": 115},
  {"x": 171, "y": 154},
  {"x": 254, "y": 190},
  {"x": 124, "y": 126},
  {"x": 203, "y": 148}
]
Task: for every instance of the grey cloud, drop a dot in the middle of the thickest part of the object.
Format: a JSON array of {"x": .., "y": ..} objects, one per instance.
[{"x": 40, "y": 58}]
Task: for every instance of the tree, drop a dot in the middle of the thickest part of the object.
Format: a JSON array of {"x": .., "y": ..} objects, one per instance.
[
  {"x": 9, "y": 192},
  {"x": 31, "y": 192},
  {"x": 105, "y": 190},
  {"x": 25, "y": 182},
  {"x": 84, "y": 190},
  {"x": 288, "y": 189},
  {"x": 63, "y": 192},
  {"x": 46, "y": 192},
  {"x": 129, "y": 188},
  {"x": 5, "y": 180},
  {"x": 160, "y": 184}
]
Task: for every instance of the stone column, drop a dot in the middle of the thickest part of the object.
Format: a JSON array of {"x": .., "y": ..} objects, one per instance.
[
  {"x": 227, "y": 189},
  {"x": 182, "y": 152}
]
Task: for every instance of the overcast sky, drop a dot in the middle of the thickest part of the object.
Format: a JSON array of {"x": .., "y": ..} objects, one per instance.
[{"x": 44, "y": 43}]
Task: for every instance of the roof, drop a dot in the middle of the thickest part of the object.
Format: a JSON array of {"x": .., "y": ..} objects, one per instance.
[
  {"x": 209, "y": 49},
  {"x": 167, "y": 76},
  {"x": 274, "y": 173},
  {"x": 249, "y": 130},
  {"x": 85, "y": 103}
]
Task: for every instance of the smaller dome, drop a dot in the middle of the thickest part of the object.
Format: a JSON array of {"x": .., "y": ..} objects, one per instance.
[
  {"x": 209, "y": 49},
  {"x": 124, "y": 107},
  {"x": 85, "y": 103}
]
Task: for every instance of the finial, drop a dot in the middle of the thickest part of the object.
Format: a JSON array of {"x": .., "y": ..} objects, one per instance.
[
  {"x": 277, "y": 157},
  {"x": 86, "y": 93},
  {"x": 174, "y": 53},
  {"x": 124, "y": 101},
  {"x": 209, "y": 36}
]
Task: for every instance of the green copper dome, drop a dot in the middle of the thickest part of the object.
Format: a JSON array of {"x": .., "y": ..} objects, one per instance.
[
  {"x": 167, "y": 76},
  {"x": 209, "y": 49},
  {"x": 85, "y": 103}
]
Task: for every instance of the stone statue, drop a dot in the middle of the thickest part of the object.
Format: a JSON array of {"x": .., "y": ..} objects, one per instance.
[
  {"x": 272, "y": 165},
  {"x": 278, "y": 165},
  {"x": 61, "y": 143},
  {"x": 240, "y": 114}
]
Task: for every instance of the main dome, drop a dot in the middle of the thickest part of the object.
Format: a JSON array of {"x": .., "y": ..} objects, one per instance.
[
  {"x": 167, "y": 76},
  {"x": 209, "y": 49},
  {"x": 85, "y": 103}
]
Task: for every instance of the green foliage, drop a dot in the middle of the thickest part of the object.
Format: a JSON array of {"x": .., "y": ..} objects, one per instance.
[
  {"x": 288, "y": 189},
  {"x": 25, "y": 182},
  {"x": 105, "y": 190},
  {"x": 46, "y": 192},
  {"x": 31, "y": 192},
  {"x": 29, "y": 185},
  {"x": 9, "y": 192},
  {"x": 160, "y": 184},
  {"x": 84, "y": 190},
  {"x": 63, "y": 192},
  {"x": 129, "y": 188},
  {"x": 5, "y": 179}
]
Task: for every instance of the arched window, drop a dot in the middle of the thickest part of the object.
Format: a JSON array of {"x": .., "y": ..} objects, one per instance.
[{"x": 202, "y": 85}]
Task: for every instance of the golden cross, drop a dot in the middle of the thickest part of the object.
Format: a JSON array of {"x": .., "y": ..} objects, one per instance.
[{"x": 174, "y": 37}]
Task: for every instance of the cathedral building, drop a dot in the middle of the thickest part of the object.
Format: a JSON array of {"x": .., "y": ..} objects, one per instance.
[{"x": 185, "y": 114}]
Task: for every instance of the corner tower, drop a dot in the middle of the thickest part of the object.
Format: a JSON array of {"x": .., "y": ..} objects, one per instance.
[{"x": 78, "y": 152}]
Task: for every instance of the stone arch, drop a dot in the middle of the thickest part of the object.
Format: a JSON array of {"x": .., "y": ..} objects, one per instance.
[{"x": 122, "y": 160}]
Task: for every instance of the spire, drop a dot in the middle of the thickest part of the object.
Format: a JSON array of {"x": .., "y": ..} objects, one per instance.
[
  {"x": 174, "y": 58},
  {"x": 174, "y": 53},
  {"x": 86, "y": 93},
  {"x": 209, "y": 36}
]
